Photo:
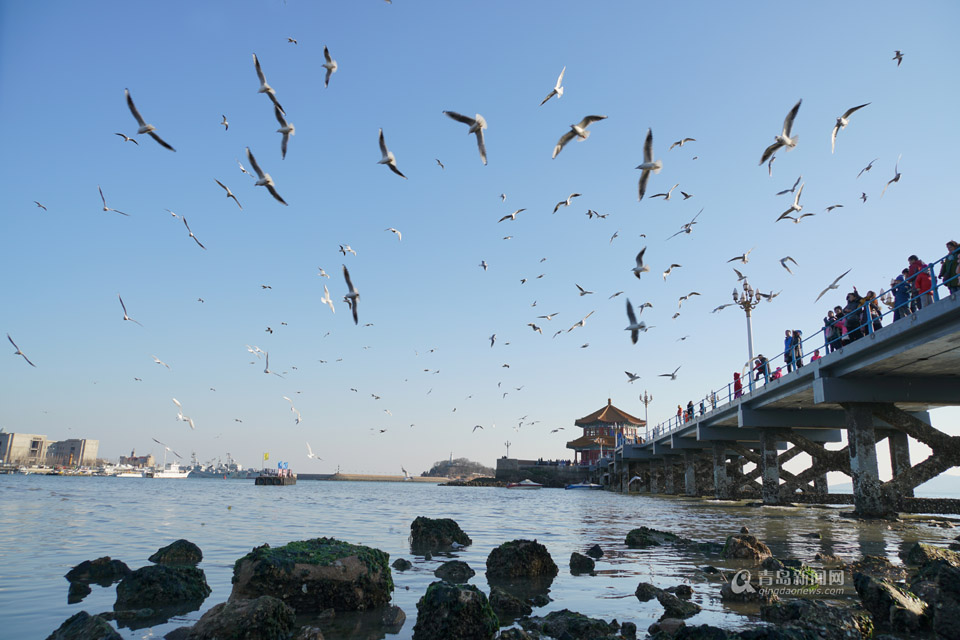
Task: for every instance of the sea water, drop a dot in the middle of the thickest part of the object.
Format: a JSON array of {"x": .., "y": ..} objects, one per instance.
[{"x": 50, "y": 524}]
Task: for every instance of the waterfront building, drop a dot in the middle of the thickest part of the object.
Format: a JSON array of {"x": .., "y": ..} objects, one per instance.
[
  {"x": 601, "y": 431},
  {"x": 73, "y": 452},
  {"x": 22, "y": 448},
  {"x": 134, "y": 460}
]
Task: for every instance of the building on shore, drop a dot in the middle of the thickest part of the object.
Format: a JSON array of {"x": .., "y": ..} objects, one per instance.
[
  {"x": 35, "y": 450},
  {"x": 134, "y": 460},
  {"x": 73, "y": 452},
  {"x": 602, "y": 430}
]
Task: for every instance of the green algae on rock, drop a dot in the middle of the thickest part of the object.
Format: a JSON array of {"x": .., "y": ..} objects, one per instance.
[{"x": 454, "y": 611}]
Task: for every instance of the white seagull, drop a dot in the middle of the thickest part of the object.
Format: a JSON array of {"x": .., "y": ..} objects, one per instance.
[
  {"x": 681, "y": 142},
  {"x": 511, "y": 216},
  {"x": 557, "y": 89},
  {"x": 784, "y": 261},
  {"x": 792, "y": 189},
  {"x": 124, "y": 307},
  {"x": 127, "y": 138},
  {"x": 264, "y": 87},
  {"x": 795, "y": 207},
  {"x": 105, "y": 207},
  {"x": 326, "y": 299},
  {"x": 286, "y": 128},
  {"x": 670, "y": 269},
  {"x": 868, "y": 167},
  {"x": 640, "y": 268},
  {"x": 264, "y": 178},
  {"x": 833, "y": 285},
  {"x": 583, "y": 291},
  {"x": 578, "y": 130},
  {"x": 565, "y": 203},
  {"x": 353, "y": 296},
  {"x": 634, "y": 328},
  {"x": 631, "y": 377},
  {"x": 842, "y": 123},
  {"x": 311, "y": 454},
  {"x": 672, "y": 376},
  {"x": 582, "y": 322},
  {"x": 191, "y": 232},
  {"x": 895, "y": 178},
  {"x": 648, "y": 166},
  {"x": 784, "y": 139},
  {"x": 18, "y": 352},
  {"x": 144, "y": 127},
  {"x": 330, "y": 65},
  {"x": 229, "y": 193},
  {"x": 226, "y": 125},
  {"x": 477, "y": 125},
  {"x": 155, "y": 359},
  {"x": 388, "y": 158},
  {"x": 180, "y": 415},
  {"x": 745, "y": 258},
  {"x": 392, "y": 230},
  {"x": 666, "y": 196}
]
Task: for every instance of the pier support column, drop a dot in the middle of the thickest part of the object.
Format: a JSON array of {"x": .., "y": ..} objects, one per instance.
[
  {"x": 690, "y": 472},
  {"x": 820, "y": 486},
  {"x": 867, "y": 495},
  {"x": 770, "y": 468},
  {"x": 900, "y": 456},
  {"x": 654, "y": 478},
  {"x": 668, "y": 477},
  {"x": 721, "y": 481}
]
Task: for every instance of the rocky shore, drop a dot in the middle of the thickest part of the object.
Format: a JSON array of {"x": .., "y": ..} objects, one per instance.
[{"x": 294, "y": 592}]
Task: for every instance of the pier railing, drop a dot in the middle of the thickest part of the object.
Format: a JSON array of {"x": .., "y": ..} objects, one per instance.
[{"x": 862, "y": 321}]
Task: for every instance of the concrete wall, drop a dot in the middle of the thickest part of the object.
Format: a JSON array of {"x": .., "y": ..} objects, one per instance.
[
  {"x": 23, "y": 448},
  {"x": 74, "y": 451}
]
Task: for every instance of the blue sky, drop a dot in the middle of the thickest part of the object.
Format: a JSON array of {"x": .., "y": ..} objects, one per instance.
[{"x": 723, "y": 74}]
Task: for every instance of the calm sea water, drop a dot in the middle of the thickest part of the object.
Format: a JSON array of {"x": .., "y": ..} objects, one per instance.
[{"x": 50, "y": 524}]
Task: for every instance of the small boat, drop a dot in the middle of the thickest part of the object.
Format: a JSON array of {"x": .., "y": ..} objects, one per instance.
[
  {"x": 525, "y": 484},
  {"x": 584, "y": 485},
  {"x": 171, "y": 470},
  {"x": 129, "y": 474}
]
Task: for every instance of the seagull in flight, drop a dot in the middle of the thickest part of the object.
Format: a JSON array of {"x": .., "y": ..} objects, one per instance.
[
  {"x": 863, "y": 196},
  {"x": 634, "y": 328},
  {"x": 834, "y": 206},
  {"x": 124, "y": 307},
  {"x": 440, "y": 163},
  {"x": 795, "y": 207},
  {"x": 548, "y": 317},
  {"x": 670, "y": 269},
  {"x": 264, "y": 178},
  {"x": 583, "y": 291},
  {"x": 648, "y": 166},
  {"x": 286, "y": 128},
  {"x": 226, "y": 125},
  {"x": 842, "y": 123},
  {"x": 566, "y": 203},
  {"x": 631, "y": 377},
  {"x": 483, "y": 263},
  {"x": 895, "y": 178},
  {"x": 578, "y": 130},
  {"x": 477, "y": 125},
  {"x": 127, "y": 138},
  {"x": 640, "y": 268},
  {"x": 614, "y": 236},
  {"x": 784, "y": 139},
  {"x": 157, "y": 360},
  {"x": 475, "y": 427},
  {"x": 18, "y": 352},
  {"x": 581, "y": 323},
  {"x": 311, "y": 454},
  {"x": 868, "y": 167},
  {"x": 745, "y": 258},
  {"x": 388, "y": 158},
  {"x": 686, "y": 297},
  {"x": 681, "y": 142},
  {"x": 493, "y": 339},
  {"x": 557, "y": 89},
  {"x": 784, "y": 261},
  {"x": 144, "y": 127},
  {"x": 666, "y": 196},
  {"x": 229, "y": 193},
  {"x": 264, "y": 87},
  {"x": 535, "y": 328},
  {"x": 345, "y": 249},
  {"x": 511, "y": 216},
  {"x": 191, "y": 232},
  {"x": 688, "y": 227},
  {"x": 326, "y": 299},
  {"x": 898, "y": 56},
  {"x": 392, "y": 230},
  {"x": 686, "y": 196},
  {"x": 672, "y": 376},
  {"x": 182, "y": 417},
  {"x": 330, "y": 65},
  {"x": 106, "y": 208},
  {"x": 353, "y": 296},
  {"x": 266, "y": 368},
  {"x": 833, "y": 285},
  {"x": 792, "y": 189},
  {"x": 39, "y": 205},
  {"x": 722, "y": 307}
]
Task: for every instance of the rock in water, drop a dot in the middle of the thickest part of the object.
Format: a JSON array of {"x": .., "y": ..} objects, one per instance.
[
  {"x": 520, "y": 559},
  {"x": 570, "y": 624},
  {"x": 454, "y": 611},
  {"x": 921, "y": 554},
  {"x": 83, "y": 626},
  {"x": 401, "y": 564},
  {"x": 595, "y": 552},
  {"x": 181, "y": 552},
  {"x": 674, "y": 607},
  {"x": 646, "y": 592},
  {"x": 314, "y": 575},
  {"x": 892, "y": 607},
  {"x": 429, "y": 534},
  {"x": 507, "y": 606},
  {"x": 263, "y": 618},
  {"x": 745, "y": 547},
  {"x": 161, "y": 585},
  {"x": 825, "y": 621},
  {"x": 77, "y": 592},
  {"x": 684, "y": 591},
  {"x": 102, "y": 571},
  {"x": 455, "y": 571},
  {"x": 393, "y": 618},
  {"x": 938, "y": 584},
  {"x": 580, "y": 564}
]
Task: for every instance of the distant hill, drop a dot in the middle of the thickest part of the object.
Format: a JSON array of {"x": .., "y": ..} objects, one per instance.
[
  {"x": 458, "y": 468},
  {"x": 943, "y": 486}
]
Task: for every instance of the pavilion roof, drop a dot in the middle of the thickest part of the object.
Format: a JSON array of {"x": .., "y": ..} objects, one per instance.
[
  {"x": 611, "y": 415},
  {"x": 592, "y": 442}
]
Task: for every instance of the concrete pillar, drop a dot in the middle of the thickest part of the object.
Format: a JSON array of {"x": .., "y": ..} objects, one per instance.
[
  {"x": 867, "y": 496},
  {"x": 900, "y": 456},
  {"x": 668, "y": 477},
  {"x": 820, "y": 486},
  {"x": 690, "y": 472},
  {"x": 769, "y": 468},
  {"x": 654, "y": 478},
  {"x": 721, "y": 482}
]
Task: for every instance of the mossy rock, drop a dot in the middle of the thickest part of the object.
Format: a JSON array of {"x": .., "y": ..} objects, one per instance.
[
  {"x": 263, "y": 618},
  {"x": 644, "y": 537},
  {"x": 454, "y": 611},
  {"x": 102, "y": 571},
  {"x": 819, "y": 619},
  {"x": 674, "y": 607},
  {"x": 570, "y": 624},
  {"x": 161, "y": 585},
  {"x": 83, "y": 626},
  {"x": 520, "y": 559},
  {"x": 315, "y": 575},
  {"x": 180, "y": 552},
  {"x": 920, "y": 554},
  {"x": 581, "y": 564},
  {"x": 431, "y": 534},
  {"x": 455, "y": 571},
  {"x": 745, "y": 547},
  {"x": 507, "y": 606}
]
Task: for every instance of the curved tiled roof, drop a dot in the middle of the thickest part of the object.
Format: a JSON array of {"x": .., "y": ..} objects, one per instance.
[
  {"x": 610, "y": 415},
  {"x": 592, "y": 442}
]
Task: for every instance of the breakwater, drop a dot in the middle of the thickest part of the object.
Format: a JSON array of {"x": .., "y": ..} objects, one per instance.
[{"x": 363, "y": 477}]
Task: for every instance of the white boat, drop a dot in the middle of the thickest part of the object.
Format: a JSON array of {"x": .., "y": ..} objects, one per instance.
[
  {"x": 171, "y": 470},
  {"x": 130, "y": 474},
  {"x": 584, "y": 485},
  {"x": 525, "y": 484}
]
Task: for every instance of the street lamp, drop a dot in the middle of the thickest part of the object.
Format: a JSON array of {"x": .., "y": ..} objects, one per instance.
[
  {"x": 646, "y": 400},
  {"x": 508, "y": 443},
  {"x": 747, "y": 300}
]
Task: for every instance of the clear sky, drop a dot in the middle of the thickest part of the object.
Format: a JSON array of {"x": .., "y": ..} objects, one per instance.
[{"x": 723, "y": 73}]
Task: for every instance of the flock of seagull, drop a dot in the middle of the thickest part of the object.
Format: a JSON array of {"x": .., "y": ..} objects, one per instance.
[{"x": 785, "y": 140}]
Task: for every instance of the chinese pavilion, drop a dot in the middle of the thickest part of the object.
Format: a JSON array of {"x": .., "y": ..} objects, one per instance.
[{"x": 600, "y": 431}]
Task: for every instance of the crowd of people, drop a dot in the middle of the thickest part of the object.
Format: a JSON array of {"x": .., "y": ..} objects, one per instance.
[{"x": 909, "y": 292}]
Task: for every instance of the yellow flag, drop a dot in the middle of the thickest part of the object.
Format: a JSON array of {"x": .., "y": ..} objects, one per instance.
[{"x": 266, "y": 456}]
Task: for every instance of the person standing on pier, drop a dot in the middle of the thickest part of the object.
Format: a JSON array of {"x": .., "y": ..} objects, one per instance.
[
  {"x": 950, "y": 269},
  {"x": 788, "y": 350},
  {"x": 737, "y": 385},
  {"x": 797, "y": 348}
]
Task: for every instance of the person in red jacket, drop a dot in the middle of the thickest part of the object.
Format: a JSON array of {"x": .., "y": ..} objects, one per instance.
[{"x": 922, "y": 283}]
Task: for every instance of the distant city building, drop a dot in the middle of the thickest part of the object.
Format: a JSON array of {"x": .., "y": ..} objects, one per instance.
[
  {"x": 137, "y": 461},
  {"x": 22, "y": 448},
  {"x": 73, "y": 452},
  {"x": 601, "y": 430}
]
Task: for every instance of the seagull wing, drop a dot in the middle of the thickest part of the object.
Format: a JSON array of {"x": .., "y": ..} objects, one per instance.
[
  {"x": 840, "y": 277},
  {"x": 101, "y": 196},
  {"x": 460, "y": 118},
  {"x": 346, "y": 276},
  {"x": 383, "y": 145},
  {"x": 562, "y": 142},
  {"x": 851, "y": 110},
  {"x": 482, "y": 146},
  {"x": 256, "y": 63},
  {"x": 769, "y": 151},
  {"x": 552, "y": 93},
  {"x": 642, "y": 184},
  {"x": 833, "y": 136},
  {"x": 133, "y": 108},
  {"x": 276, "y": 195},
  {"x": 648, "y": 148},
  {"x": 253, "y": 163},
  {"x": 163, "y": 143},
  {"x": 279, "y": 116},
  {"x": 788, "y": 121}
]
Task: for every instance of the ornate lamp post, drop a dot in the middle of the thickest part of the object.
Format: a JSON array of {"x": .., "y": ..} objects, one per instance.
[
  {"x": 646, "y": 400},
  {"x": 508, "y": 443},
  {"x": 747, "y": 300}
]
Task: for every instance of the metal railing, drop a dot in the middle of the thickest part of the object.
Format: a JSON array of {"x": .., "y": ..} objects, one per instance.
[{"x": 861, "y": 321}]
